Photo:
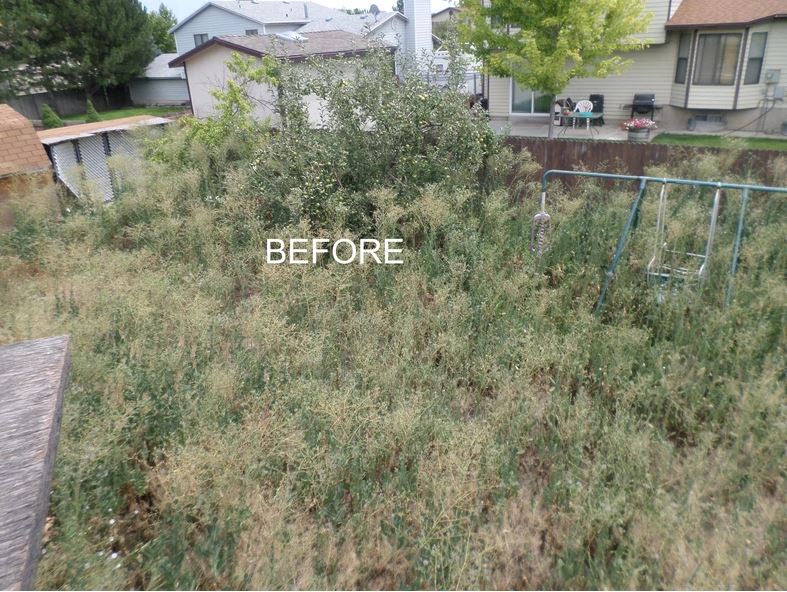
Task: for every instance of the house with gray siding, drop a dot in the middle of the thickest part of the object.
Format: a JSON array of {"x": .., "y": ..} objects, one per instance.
[
  {"x": 160, "y": 84},
  {"x": 265, "y": 17},
  {"x": 710, "y": 63}
]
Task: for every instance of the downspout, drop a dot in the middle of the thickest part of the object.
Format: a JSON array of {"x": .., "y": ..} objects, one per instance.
[
  {"x": 741, "y": 57},
  {"x": 690, "y": 69}
]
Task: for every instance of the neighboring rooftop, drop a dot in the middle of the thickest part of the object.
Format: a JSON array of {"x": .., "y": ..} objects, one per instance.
[
  {"x": 312, "y": 16},
  {"x": 273, "y": 11},
  {"x": 20, "y": 149},
  {"x": 83, "y": 130},
  {"x": 451, "y": 10},
  {"x": 360, "y": 24},
  {"x": 720, "y": 13},
  {"x": 159, "y": 68},
  {"x": 289, "y": 46}
]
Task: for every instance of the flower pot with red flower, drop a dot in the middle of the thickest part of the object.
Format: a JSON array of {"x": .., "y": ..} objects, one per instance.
[{"x": 639, "y": 129}]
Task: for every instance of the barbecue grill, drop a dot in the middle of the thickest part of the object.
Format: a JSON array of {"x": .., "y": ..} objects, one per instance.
[
  {"x": 643, "y": 103},
  {"x": 598, "y": 107}
]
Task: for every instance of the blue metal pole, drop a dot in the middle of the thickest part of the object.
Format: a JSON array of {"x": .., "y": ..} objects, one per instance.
[
  {"x": 694, "y": 183},
  {"x": 736, "y": 248},
  {"x": 644, "y": 180},
  {"x": 621, "y": 243}
]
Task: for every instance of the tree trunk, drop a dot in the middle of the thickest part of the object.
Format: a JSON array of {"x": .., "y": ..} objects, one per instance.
[{"x": 551, "y": 133}]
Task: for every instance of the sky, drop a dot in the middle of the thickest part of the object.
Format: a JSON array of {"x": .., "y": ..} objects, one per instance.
[{"x": 183, "y": 8}]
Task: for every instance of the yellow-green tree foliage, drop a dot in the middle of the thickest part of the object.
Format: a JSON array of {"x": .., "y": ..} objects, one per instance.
[{"x": 545, "y": 44}]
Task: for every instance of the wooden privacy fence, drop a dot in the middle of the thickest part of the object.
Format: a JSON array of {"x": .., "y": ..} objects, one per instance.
[{"x": 632, "y": 158}]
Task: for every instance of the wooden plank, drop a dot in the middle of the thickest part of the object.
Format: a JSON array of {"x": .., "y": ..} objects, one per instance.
[{"x": 33, "y": 376}]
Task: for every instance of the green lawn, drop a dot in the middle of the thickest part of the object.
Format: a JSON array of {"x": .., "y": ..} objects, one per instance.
[
  {"x": 719, "y": 141},
  {"x": 130, "y": 112}
]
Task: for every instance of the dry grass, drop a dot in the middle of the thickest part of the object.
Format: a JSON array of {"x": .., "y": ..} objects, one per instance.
[{"x": 461, "y": 421}]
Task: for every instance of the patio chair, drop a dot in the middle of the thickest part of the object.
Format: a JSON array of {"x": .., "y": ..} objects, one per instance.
[{"x": 583, "y": 106}]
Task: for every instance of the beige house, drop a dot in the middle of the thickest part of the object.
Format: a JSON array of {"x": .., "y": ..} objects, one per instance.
[
  {"x": 206, "y": 65},
  {"x": 710, "y": 64}
]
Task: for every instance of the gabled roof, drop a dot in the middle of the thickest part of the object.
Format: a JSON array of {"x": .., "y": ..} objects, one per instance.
[
  {"x": 721, "y": 13},
  {"x": 20, "y": 149},
  {"x": 324, "y": 43},
  {"x": 159, "y": 68},
  {"x": 451, "y": 10},
  {"x": 360, "y": 24},
  {"x": 268, "y": 11}
]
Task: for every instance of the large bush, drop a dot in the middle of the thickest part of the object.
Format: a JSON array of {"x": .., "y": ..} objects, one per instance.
[{"x": 49, "y": 118}]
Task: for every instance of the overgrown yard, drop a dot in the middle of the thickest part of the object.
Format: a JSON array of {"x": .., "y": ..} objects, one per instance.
[{"x": 458, "y": 421}]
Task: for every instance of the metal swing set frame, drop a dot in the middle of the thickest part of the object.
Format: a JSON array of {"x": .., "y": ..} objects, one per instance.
[{"x": 657, "y": 270}]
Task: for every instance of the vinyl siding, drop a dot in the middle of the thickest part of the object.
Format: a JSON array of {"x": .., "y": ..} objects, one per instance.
[
  {"x": 652, "y": 71},
  {"x": 213, "y": 21},
  {"x": 391, "y": 31},
  {"x": 655, "y": 32},
  {"x": 207, "y": 71},
  {"x": 418, "y": 33},
  {"x": 159, "y": 91},
  {"x": 499, "y": 96},
  {"x": 775, "y": 58}
]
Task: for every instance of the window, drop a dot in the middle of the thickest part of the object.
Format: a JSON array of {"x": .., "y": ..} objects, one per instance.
[
  {"x": 528, "y": 102},
  {"x": 683, "y": 58},
  {"x": 717, "y": 59},
  {"x": 756, "y": 55},
  {"x": 252, "y": 32},
  {"x": 200, "y": 38}
]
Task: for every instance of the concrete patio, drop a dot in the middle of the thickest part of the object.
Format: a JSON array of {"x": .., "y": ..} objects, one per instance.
[
  {"x": 609, "y": 131},
  {"x": 539, "y": 129}
]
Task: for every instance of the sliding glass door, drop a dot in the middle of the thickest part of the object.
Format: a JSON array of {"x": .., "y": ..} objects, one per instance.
[{"x": 528, "y": 102}]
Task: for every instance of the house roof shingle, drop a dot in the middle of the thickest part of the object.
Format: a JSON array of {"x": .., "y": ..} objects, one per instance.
[
  {"x": 360, "y": 24},
  {"x": 719, "y": 13},
  {"x": 20, "y": 149},
  {"x": 323, "y": 43}
]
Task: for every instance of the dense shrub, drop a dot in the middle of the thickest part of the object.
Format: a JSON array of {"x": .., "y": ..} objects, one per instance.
[
  {"x": 91, "y": 115},
  {"x": 49, "y": 118},
  {"x": 375, "y": 131}
]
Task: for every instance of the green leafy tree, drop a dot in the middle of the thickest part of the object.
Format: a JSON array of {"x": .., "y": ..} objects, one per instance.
[
  {"x": 74, "y": 44},
  {"x": 545, "y": 44},
  {"x": 91, "y": 115},
  {"x": 49, "y": 118},
  {"x": 161, "y": 21},
  {"x": 21, "y": 22}
]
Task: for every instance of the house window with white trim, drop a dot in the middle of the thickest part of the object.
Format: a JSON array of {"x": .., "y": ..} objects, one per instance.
[
  {"x": 717, "y": 59},
  {"x": 252, "y": 32},
  {"x": 200, "y": 38},
  {"x": 756, "y": 55},
  {"x": 683, "y": 58},
  {"x": 528, "y": 102}
]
